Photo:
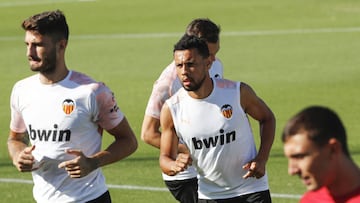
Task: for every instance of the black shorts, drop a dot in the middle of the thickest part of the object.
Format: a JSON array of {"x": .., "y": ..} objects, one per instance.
[
  {"x": 257, "y": 197},
  {"x": 185, "y": 191},
  {"x": 104, "y": 198}
]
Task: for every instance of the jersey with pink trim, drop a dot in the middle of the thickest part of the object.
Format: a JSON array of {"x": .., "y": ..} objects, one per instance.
[
  {"x": 218, "y": 134},
  {"x": 165, "y": 86},
  {"x": 70, "y": 114}
]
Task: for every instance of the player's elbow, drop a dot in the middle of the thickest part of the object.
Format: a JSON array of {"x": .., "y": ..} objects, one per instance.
[
  {"x": 146, "y": 136},
  {"x": 150, "y": 132},
  {"x": 143, "y": 136},
  {"x": 134, "y": 145},
  {"x": 151, "y": 137},
  {"x": 271, "y": 120}
]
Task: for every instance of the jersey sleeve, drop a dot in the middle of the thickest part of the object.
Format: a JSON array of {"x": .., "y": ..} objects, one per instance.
[
  {"x": 107, "y": 112},
  {"x": 163, "y": 88},
  {"x": 17, "y": 123}
]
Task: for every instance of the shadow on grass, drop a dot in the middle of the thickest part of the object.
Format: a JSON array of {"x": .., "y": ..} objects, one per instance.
[
  {"x": 5, "y": 163},
  {"x": 135, "y": 159}
]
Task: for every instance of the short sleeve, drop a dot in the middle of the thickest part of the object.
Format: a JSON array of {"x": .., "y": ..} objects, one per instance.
[
  {"x": 163, "y": 89},
  {"x": 108, "y": 114},
  {"x": 17, "y": 123}
]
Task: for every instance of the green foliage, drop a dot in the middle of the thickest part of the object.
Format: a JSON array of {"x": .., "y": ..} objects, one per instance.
[{"x": 293, "y": 53}]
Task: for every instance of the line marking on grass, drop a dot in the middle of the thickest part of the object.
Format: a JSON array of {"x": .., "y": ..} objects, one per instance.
[
  {"x": 13, "y": 180},
  {"x": 135, "y": 187},
  {"x": 293, "y": 31},
  {"x": 227, "y": 34}
]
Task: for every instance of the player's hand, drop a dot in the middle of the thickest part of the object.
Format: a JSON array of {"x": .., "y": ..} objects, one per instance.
[
  {"x": 25, "y": 160},
  {"x": 80, "y": 166},
  {"x": 255, "y": 169},
  {"x": 181, "y": 163}
]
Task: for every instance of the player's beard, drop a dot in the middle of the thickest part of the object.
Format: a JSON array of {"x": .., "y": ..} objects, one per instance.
[
  {"x": 195, "y": 85},
  {"x": 48, "y": 64}
]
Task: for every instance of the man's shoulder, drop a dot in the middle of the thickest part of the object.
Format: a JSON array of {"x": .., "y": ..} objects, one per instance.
[
  {"x": 81, "y": 78},
  {"x": 216, "y": 70},
  {"x": 225, "y": 83},
  {"x": 28, "y": 81},
  {"x": 169, "y": 72},
  {"x": 320, "y": 195},
  {"x": 217, "y": 64},
  {"x": 84, "y": 80},
  {"x": 179, "y": 96},
  {"x": 167, "y": 81}
]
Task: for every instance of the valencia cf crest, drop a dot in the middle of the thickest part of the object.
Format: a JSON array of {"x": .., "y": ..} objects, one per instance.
[
  {"x": 68, "y": 106},
  {"x": 227, "y": 111}
]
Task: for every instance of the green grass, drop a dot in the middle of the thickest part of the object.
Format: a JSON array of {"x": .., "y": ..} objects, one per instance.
[{"x": 289, "y": 70}]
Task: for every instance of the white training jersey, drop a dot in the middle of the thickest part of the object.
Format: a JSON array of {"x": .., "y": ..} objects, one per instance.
[
  {"x": 70, "y": 114},
  {"x": 165, "y": 86},
  {"x": 218, "y": 134}
]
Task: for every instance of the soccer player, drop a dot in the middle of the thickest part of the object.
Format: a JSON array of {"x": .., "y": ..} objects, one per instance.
[
  {"x": 183, "y": 186},
  {"x": 211, "y": 117},
  {"x": 63, "y": 113},
  {"x": 315, "y": 144}
]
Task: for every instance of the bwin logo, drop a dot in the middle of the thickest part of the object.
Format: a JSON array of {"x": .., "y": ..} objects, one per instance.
[
  {"x": 50, "y": 135},
  {"x": 223, "y": 138}
]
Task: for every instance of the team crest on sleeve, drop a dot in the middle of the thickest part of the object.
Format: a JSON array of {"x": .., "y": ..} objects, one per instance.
[
  {"x": 227, "y": 111},
  {"x": 68, "y": 106}
]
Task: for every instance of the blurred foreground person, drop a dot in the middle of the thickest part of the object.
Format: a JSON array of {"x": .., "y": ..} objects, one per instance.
[{"x": 316, "y": 147}]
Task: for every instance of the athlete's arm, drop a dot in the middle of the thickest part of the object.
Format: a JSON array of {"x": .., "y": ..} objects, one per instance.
[
  {"x": 257, "y": 109},
  {"x": 125, "y": 143},
  {"x": 163, "y": 88},
  {"x": 171, "y": 162},
  {"x": 20, "y": 152},
  {"x": 150, "y": 132}
]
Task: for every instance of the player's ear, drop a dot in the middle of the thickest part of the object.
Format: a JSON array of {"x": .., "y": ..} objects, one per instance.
[
  {"x": 335, "y": 146},
  {"x": 208, "y": 63},
  {"x": 62, "y": 44}
]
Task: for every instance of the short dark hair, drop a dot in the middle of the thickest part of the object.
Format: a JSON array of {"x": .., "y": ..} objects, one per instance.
[
  {"x": 320, "y": 124},
  {"x": 192, "y": 42},
  {"x": 52, "y": 23},
  {"x": 204, "y": 28}
]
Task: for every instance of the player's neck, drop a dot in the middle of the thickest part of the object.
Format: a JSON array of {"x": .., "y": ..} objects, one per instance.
[
  {"x": 348, "y": 181},
  {"x": 51, "y": 78},
  {"x": 205, "y": 89}
]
